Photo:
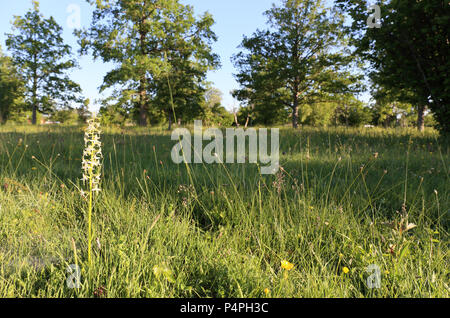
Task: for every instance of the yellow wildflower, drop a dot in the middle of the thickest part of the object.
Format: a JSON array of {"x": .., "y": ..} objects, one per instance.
[
  {"x": 345, "y": 270},
  {"x": 286, "y": 265}
]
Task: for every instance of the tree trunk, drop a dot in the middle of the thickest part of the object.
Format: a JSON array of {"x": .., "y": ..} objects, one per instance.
[
  {"x": 295, "y": 117},
  {"x": 142, "y": 104},
  {"x": 34, "y": 110},
  {"x": 247, "y": 121},
  {"x": 34, "y": 116},
  {"x": 236, "y": 119},
  {"x": 170, "y": 122},
  {"x": 295, "y": 111},
  {"x": 421, "y": 118},
  {"x": 143, "y": 82},
  {"x": 346, "y": 115}
]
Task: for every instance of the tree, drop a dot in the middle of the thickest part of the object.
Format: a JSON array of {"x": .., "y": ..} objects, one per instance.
[
  {"x": 296, "y": 61},
  {"x": 319, "y": 114},
  {"x": 39, "y": 52},
  {"x": 389, "y": 108},
  {"x": 157, "y": 45},
  {"x": 212, "y": 104},
  {"x": 213, "y": 111},
  {"x": 351, "y": 112},
  {"x": 260, "y": 111},
  {"x": 180, "y": 94},
  {"x": 409, "y": 54},
  {"x": 11, "y": 88},
  {"x": 83, "y": 112},
  {"x": 65, "y": 116},
  {"x": 113, "y": 115},
  {"x": 359, "y": 115}
]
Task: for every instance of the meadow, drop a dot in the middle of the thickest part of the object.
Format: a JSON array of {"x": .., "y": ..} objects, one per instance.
[{"x": 345, "y": 199}]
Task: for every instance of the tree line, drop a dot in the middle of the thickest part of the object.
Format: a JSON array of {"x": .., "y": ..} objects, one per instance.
[{"x": 309, "y": 66}]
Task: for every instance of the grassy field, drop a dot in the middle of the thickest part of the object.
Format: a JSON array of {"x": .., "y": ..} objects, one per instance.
[{"x": 344, "y": 200}]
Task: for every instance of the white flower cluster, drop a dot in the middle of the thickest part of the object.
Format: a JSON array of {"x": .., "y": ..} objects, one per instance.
[{"x": 92, "y": 155}]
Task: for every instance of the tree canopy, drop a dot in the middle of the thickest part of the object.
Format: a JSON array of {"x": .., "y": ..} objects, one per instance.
[
  {"x": 299, "y": 60},
  {"x": 43, "y": 59},
  {"x": 161, "y": 50},
  {"x": 311, "y": 64},
  {"x": 11, "y": 88},
  {"x": 409, "y": 55}
]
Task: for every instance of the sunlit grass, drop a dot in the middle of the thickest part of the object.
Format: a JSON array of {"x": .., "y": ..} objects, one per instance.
[{"x": 343, "y": 201}]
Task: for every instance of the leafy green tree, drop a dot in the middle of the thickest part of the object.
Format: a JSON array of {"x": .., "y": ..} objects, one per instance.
[
  {"x": 351, "y": 112},
  {"x": 65, "y": 116},
  {"x": 297, "y": 61},
  {"x": 39, "y": 52},
  {"x": 23, "y": 116},
  {"x": 11, "y": 89},
  {"x": 157, "y": 45},
  {"x": 213, "y": 97},
  {"x": 83, "y": 112},
  {"x": 388, "y": 108},
  {"x": 113, "y": 115},
  {"x": 359, "y": 115},
  {"x": 212, "y": 104},
  {"x": 214, "y": 113},
  {"x": 180, "y": 94},
  {"x": 409, "y": 53},
  {"x": 259, "y": 108},
  {"x": 320, "y": 114}
]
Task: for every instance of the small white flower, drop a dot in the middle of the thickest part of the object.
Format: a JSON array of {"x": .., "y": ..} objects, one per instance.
[{"x": 92, "y": 155}]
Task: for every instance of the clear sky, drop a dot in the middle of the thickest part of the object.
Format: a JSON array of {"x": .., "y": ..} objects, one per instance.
[{"x": 234, "y": 18}]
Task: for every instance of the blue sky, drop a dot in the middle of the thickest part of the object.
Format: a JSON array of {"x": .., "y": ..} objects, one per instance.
[{"x": 234, "y": 18}]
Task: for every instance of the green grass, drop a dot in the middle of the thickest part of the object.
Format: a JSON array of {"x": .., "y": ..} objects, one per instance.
[{"x": 336, "y": 205}]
